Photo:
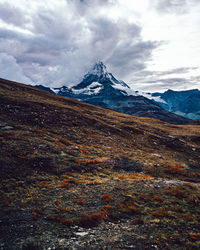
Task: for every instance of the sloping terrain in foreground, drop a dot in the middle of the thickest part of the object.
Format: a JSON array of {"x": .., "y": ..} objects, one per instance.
[{"x": 76, "y": 176}]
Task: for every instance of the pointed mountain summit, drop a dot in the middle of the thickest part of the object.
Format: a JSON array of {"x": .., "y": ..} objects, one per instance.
[{"x": 99, "y": 78}]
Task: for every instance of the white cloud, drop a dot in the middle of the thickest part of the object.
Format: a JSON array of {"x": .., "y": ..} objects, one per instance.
[{"x": 11, "y": 70}]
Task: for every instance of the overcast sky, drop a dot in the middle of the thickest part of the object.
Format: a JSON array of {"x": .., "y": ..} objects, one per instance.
[{"x": 152, "y": 45}]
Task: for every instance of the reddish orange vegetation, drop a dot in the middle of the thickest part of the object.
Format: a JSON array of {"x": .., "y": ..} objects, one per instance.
[
  {"x": 84, "y": 150},
  {"x": 60, "y": 210},
  {"x": 53, "y": 130},
  {"x": 108, "y": 208},
  {"x": 91, "y": 220},
  {"x": 58, "y": 202},
  {"x": 132, "y": 209},
  {"x": 191, "y": 186},
  {"x": 95, "y": 160},
  {"x": 85, "y": 130},
  {"x": 36, "y": 212},
  {"x": 187, "y": 216},
  {"x": 80, "y": 201},
  {"x": 145, "y": 197},
  {"x": 194, "y": 236},
  {"x": 129, "y": 200},
  {"x": 39, "y": 131},
  {"x": 122, "y": 207},
  {"x": 35, "y": 216},
  {"x": 107, "y": 197},
  {"x": 161, "y": 213},
  {"x": 175, "y": 169},
  {"x": 44, "y": 184},
  {"x": 158, "y": 198},
  {"x": 135, "y": 177},
  {"x": 65, "y": 184},
  {"x": 177, "y": 191}
]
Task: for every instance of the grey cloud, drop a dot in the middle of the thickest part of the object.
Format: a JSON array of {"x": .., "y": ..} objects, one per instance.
[
  {"x": 64, "y": 43},
  {"x": 168, "y": 83},
  {"x": 54, "y": 25},
  {"x": 175, "y": 6},
  {"x": 147, "y": 73},
  {"x": 162, "y": 80},
  {"x": 91, "y": 7},
  {"x": 132, "y": 57},
  {"x": 177, "y": 71},
  {"x": 18, "y": 44},
  {"x": 12, "y": 15}
]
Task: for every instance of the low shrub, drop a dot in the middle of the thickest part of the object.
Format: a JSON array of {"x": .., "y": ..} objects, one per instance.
[
  {"x": 175, "y": 169},
  {"x": 178, "y": 191},
  {"x": 65, "y": 184},
  {"x": 158, "y": 198},
  {"x": 91, "y": 220},
  {"x": 194, "y": 236},
  {"x": 107, "y": 197},
  {"x": 80, "y": 201},
  {"x": 161, "y": 213},
  {"x": 145, "y": 197}
]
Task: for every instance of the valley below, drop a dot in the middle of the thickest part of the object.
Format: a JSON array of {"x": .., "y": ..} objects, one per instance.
[{"x": 77, "y": 176}]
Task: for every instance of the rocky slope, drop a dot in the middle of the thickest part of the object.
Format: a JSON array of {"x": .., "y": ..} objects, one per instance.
[{"x": 77, "y": 176}]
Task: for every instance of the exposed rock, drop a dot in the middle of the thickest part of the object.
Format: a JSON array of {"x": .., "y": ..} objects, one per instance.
[{"x": 7, "y": 128}]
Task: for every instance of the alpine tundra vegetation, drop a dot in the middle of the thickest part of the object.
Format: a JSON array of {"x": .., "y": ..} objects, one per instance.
[{"x": 74, "y": 175}]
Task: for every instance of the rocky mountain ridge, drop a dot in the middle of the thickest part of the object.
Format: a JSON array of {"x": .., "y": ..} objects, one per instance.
[
  {"x": 185, "y": 103},
  {"x": 101, "y": 88}
]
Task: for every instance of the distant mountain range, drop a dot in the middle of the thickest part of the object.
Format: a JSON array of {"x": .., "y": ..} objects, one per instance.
[
  {"x": 185, "y": 103},
  {"x": 101, "y": 88}
]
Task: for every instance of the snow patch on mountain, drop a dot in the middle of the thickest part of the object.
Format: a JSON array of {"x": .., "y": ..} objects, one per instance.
[
  {"x": 149, "y": 96},
  {"x": 99, "y": 70},
  {"x": 55, "y": 90},
  {"x": 127, "y": 90},
  {"x": 93, "y": 88}
]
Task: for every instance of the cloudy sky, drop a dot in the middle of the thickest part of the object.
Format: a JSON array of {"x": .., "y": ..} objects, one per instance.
[{"x": 153, "y": 45}]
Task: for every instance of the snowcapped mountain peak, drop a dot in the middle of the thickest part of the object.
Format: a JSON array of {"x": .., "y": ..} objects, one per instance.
[
  {"x": 99, "y": 70},
  {"x": 99, "y": 74},
  {"x": 97, "y": 82}
]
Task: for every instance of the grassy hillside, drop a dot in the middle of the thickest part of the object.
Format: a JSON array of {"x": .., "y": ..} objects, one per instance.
[{"x": 76, "y": 175}]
